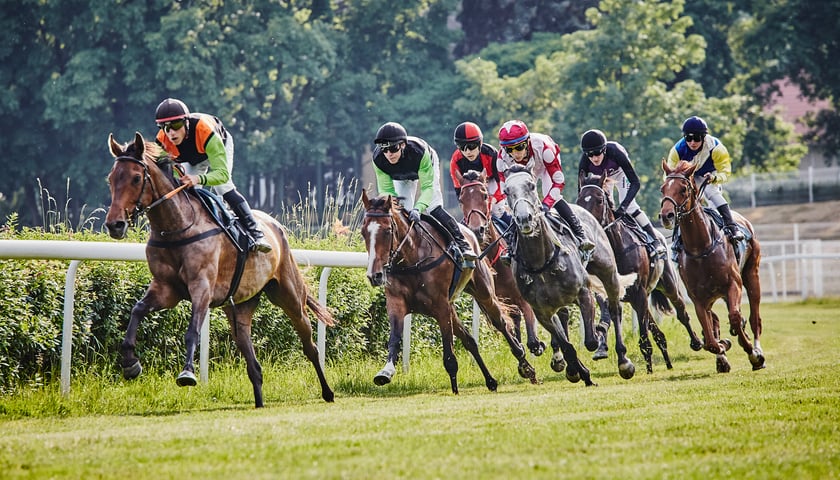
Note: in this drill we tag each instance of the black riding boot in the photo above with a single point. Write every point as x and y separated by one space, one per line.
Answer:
658 246
569 216
240 207
730 227
451 224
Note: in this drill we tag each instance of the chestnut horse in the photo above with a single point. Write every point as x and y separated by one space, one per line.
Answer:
551 276
656 276
413 264
190 259
710 268
475 206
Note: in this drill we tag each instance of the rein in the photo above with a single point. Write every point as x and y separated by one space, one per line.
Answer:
390 265
487 222
679 210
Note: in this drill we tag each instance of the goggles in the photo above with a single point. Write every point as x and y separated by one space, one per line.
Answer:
516 148
173 125
468 146
694 137
595 153
389 147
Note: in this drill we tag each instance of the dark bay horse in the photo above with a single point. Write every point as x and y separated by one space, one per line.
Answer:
413 264
475 206
656 279
191 259
710 268
552 277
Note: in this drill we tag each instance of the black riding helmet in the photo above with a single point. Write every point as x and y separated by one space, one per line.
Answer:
171 109
593 141
695 124
390 133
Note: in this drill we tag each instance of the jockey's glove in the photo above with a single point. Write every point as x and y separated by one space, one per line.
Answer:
545 208
414 216
620 211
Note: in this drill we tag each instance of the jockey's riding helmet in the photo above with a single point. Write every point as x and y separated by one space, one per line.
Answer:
467 132
695 124
513 132
593 141
390 133
171 109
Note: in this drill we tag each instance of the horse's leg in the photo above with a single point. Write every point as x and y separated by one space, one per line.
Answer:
157 297
722 363
481 289
737 324
558 363
602 328
239 318
471 346
289 292
397 310
661 341
536 346
749 275
200 297
671 289
638 300
625 367
575 370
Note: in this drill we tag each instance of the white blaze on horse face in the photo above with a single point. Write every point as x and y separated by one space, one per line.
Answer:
373 229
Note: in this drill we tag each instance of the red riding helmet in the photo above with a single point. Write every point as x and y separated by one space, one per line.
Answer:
513 132
467 132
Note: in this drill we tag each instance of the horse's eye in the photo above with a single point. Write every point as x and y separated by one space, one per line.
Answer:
137 179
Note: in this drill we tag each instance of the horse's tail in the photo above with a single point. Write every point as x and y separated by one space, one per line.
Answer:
625 281
660 303
321 312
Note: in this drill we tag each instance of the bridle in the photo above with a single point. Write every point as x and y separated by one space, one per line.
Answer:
391 265
484 217
139 209
680 208
604 219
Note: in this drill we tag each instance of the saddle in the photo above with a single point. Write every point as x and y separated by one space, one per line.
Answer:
740 246
459 280
560 227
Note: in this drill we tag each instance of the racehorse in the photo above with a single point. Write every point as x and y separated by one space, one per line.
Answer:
656 276
710 268
551 275
190 259
475 206
412 262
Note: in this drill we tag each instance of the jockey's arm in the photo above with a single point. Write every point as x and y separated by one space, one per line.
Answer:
723 164
384 182
426 175
218 172
553 179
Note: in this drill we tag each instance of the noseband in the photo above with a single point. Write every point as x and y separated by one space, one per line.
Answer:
484 217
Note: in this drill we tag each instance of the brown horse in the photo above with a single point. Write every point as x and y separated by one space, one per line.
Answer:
413 264
475 206
710 268
191 259
656 276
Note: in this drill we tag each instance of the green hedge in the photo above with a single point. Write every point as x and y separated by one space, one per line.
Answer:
32 303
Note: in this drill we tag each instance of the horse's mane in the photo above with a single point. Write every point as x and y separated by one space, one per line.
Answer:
684 168
154 154
517 168
472 175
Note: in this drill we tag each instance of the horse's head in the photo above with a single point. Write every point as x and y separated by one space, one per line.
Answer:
524 202
679 193
594 198
380 226
474 201
131 184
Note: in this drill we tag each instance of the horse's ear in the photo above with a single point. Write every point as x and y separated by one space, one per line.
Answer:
365 199
116 148
665 166
139 145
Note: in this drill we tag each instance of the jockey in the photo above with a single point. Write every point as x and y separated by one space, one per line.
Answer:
541 156
471 153
610 160
400 163
202 145
712 163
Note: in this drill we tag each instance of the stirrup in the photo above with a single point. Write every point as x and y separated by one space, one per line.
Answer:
734 233
258 243
585 245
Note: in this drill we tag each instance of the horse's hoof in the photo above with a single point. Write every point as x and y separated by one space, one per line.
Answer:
186 379
600 354
757 360
668 365
592 345
328 396
527 371
722 364
537 349
696 345
649 369
381 379
574 378
133 371
558 365
727 344
492 385
627 370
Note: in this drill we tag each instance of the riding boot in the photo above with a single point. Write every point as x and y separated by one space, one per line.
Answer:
584 244
240 207
730 227
658 246
451 224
